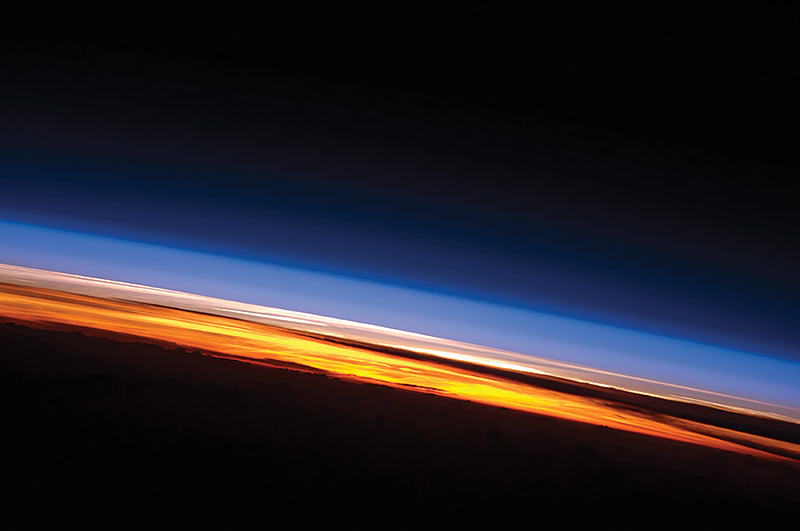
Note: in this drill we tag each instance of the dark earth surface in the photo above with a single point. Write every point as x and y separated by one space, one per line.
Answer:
110 432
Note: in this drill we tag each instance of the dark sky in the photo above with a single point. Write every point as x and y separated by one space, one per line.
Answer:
713 76
625 159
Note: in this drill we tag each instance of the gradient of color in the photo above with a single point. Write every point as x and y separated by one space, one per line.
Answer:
511 242
200 322
695 371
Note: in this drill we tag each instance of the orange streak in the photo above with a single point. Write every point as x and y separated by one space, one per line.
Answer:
259 342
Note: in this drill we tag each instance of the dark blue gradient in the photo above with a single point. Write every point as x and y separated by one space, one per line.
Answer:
407 195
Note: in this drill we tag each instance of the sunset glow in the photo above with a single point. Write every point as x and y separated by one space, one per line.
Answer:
300 341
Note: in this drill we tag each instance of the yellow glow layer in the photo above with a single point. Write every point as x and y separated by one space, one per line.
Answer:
259 342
